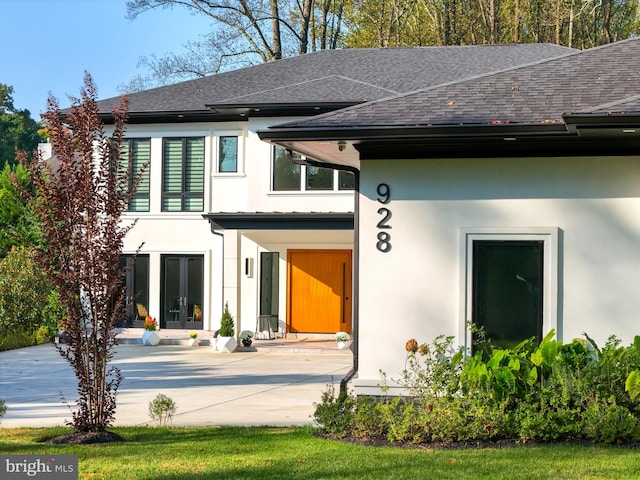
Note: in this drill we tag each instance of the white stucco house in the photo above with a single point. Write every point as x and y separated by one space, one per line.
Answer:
228 218
510 199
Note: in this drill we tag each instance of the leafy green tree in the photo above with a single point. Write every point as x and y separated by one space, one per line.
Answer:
18 131
573 23
26 299
18 222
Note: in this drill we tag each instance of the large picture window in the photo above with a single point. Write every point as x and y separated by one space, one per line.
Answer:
139 150
510 284
507 290
183 174
289 176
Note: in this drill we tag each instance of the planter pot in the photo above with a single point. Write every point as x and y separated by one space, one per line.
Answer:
150 338
213 341
227 344
193 342
341 345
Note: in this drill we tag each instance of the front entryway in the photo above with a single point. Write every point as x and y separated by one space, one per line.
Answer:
182 291
319 291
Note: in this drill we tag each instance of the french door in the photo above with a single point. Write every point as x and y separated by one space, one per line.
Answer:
182 291
136 290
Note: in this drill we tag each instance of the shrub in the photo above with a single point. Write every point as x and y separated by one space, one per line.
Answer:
226 322
546 392
606 421
162 408
3 408
334 413
27 298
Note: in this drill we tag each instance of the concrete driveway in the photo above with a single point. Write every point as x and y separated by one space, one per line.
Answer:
266 387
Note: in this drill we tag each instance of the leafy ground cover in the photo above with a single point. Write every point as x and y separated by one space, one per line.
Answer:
551 392
297 453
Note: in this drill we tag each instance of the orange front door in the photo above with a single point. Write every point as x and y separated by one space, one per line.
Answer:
319 291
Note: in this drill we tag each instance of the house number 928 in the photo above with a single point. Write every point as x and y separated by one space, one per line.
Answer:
384 238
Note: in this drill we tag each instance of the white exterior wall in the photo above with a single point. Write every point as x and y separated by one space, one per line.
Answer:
247 190
417 289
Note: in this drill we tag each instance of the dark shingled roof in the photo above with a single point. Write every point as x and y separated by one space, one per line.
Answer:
598 80
344 77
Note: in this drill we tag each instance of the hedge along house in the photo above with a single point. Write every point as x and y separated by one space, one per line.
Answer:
225 217
510 200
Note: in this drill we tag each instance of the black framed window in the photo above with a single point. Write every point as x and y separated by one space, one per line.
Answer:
183 174
139 150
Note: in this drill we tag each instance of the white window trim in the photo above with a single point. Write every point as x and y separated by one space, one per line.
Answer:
551 274
216 153
303 183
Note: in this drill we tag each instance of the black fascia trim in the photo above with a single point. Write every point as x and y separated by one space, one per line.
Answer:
278 109
602 119
169 117
543 146
473 141
404 132
280 221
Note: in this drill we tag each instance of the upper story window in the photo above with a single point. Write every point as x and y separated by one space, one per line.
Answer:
183 174
139 150
228 154
288 176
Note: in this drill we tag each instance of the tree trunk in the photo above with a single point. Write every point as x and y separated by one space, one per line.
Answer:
275 31
516 21
304 26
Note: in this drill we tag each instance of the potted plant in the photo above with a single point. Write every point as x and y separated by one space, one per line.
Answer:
246 337
226 341
193 339
150 337
342 338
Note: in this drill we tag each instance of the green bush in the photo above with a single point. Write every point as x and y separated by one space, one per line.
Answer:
29 308
606 421
226 322
544 392
3 408
162 408
335 413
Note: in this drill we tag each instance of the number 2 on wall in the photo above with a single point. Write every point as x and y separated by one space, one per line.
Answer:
384 238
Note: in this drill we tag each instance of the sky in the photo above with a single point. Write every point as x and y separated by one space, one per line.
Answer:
49 44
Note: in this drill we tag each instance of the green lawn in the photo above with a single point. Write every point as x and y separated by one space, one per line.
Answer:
294 453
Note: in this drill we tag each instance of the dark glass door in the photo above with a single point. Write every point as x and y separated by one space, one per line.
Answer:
507 290
137 291
269 291
182 291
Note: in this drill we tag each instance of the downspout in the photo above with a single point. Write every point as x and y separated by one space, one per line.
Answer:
221 235
356 287
356 261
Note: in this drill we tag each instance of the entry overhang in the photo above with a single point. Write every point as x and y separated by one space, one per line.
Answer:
281 221
574 136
